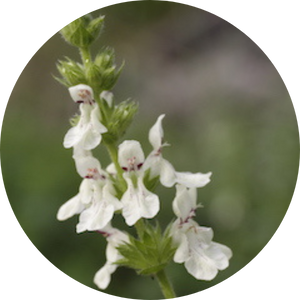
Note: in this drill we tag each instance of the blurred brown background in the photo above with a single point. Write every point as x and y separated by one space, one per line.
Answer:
227 111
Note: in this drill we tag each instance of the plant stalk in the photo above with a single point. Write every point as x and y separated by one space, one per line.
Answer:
165 285
113 153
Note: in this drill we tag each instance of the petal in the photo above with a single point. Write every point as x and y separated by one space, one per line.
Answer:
130 152
73 136
81 92
138 202
103 276
85 164
108 97
201 267
98 215
111 169
90 139
184 203
167 173
153 162
98 127
220 254
150 201
156 134
86 191
70 208
117 237
192 179
182 252
110 198
199 236
112 254
79 152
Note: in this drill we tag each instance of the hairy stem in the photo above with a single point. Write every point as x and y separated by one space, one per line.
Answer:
85 56
165 285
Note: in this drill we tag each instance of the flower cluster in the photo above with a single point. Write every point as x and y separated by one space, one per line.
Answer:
100 196
126 187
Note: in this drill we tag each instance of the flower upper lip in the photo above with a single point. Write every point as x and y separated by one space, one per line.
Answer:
82 93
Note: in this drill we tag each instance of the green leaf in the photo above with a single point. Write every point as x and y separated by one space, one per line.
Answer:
148 254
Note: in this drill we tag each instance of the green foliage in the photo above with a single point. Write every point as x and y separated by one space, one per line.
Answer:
118 119
72 73
148 254
101 73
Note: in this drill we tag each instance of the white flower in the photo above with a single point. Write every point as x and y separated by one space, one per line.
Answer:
115 238
202 257
161 167
137 201
88 131
82 93
101 210
95 201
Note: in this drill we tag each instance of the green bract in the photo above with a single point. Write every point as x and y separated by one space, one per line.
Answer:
100 74
72 73
148 254
119 120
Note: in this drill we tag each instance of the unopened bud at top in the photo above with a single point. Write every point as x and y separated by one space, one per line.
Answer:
83 31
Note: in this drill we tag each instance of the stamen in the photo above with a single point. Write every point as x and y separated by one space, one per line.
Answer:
93 173
86 97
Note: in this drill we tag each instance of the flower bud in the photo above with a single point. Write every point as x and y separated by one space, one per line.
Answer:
120 120
83 31
72 73
105 60
110 77
94 77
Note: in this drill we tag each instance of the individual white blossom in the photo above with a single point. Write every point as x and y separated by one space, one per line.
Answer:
137 201
202 257
114 238
164 169
101 210
95 201
88 131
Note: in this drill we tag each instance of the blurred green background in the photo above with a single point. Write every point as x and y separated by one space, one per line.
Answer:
227 111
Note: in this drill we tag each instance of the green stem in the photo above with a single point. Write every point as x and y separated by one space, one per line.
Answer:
85 56
140 228
165 285
113 153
